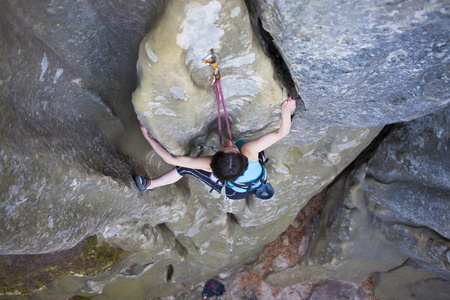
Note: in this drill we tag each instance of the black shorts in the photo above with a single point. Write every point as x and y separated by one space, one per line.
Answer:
211 181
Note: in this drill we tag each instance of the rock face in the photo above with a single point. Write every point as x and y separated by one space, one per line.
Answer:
175 91
384 217
71 141
66 80
362 63
408 187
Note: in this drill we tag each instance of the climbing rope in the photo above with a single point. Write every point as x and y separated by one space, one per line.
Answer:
230 243
211 59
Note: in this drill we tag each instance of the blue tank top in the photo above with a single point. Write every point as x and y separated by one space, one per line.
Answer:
252 172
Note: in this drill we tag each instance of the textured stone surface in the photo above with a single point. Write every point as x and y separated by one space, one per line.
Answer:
386 212
345 244
70 141
407 282
174 90
362 63
201 221
409 174
66 80
408 187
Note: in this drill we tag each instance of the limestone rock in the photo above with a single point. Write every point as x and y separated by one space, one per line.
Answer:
175 98
70 141
408 187
362 63
387 213
345 245
66 76
296 173
407 282
73 178
409 174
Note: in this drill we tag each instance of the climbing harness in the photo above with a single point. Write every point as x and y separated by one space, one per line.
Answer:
264 190
211 59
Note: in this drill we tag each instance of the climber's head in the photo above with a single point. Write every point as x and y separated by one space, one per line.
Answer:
228 163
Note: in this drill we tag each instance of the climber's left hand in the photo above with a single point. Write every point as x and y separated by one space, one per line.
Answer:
145 132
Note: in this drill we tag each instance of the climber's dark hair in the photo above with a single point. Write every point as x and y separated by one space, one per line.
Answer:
228 166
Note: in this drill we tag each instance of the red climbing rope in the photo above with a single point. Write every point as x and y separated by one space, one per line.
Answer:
219 94
230 242
211 60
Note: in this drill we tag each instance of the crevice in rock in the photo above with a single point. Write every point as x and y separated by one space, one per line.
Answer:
273 53
169 273
232 224
407 262
369 151
432 234
182 250
106 102
178 246
339 184
250 203
234 219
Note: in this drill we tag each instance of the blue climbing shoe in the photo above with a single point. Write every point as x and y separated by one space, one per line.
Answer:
142 183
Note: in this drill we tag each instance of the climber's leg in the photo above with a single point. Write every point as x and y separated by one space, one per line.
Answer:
145 184
168 178
205 176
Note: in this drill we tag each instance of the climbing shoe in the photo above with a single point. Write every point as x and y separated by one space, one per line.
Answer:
142 183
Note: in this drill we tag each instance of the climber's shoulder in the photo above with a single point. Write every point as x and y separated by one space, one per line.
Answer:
248 151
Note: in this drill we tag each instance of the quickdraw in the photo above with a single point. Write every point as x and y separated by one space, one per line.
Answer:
211 60
230 238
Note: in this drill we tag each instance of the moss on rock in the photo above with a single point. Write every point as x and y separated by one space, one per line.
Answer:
23 274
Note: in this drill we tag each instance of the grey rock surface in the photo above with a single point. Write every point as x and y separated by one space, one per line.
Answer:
67 73
407 282
70 140
408 187
359 234
345 245
362 63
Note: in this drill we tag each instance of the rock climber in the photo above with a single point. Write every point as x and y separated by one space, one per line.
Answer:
232 165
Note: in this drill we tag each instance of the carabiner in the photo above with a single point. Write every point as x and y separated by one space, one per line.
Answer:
210 58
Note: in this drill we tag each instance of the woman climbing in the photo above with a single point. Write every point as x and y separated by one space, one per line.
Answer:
232 165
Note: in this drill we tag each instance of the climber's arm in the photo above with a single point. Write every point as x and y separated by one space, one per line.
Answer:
252 148
201 163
